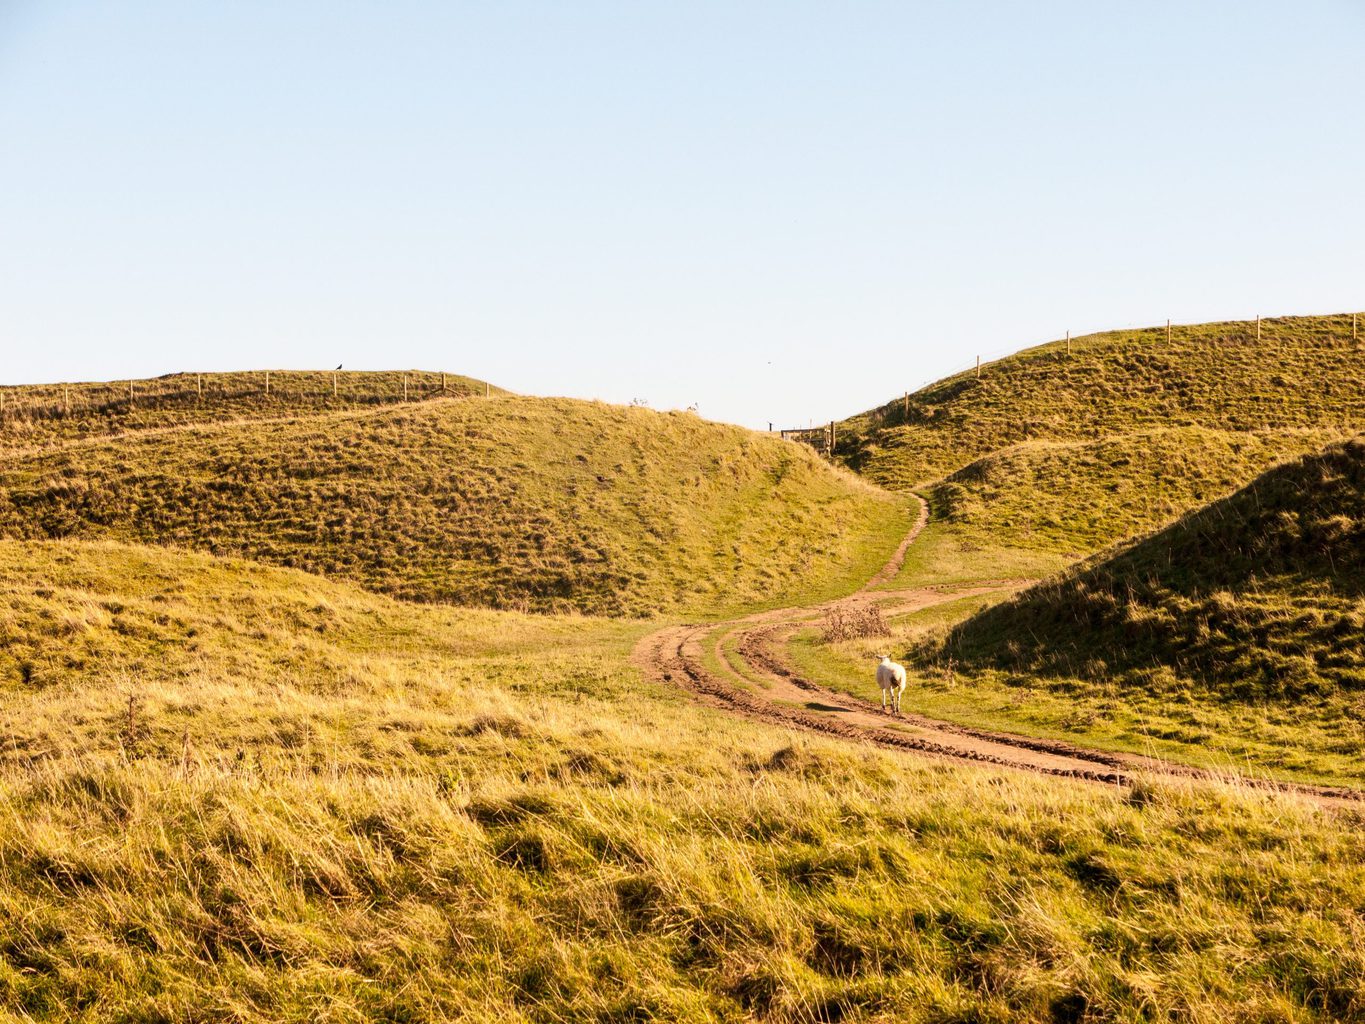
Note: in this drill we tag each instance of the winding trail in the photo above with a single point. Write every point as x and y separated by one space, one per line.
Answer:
738 665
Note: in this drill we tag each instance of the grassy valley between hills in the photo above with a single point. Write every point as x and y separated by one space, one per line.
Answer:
1233 639
335 708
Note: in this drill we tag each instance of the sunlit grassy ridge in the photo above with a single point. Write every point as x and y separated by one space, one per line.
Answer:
541 504
39 414
1304 372
1258 596
1068 453
330 805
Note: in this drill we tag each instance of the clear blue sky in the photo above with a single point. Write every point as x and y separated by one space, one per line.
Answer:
778 211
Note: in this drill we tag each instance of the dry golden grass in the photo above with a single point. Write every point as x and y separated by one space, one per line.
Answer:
42 415
389 812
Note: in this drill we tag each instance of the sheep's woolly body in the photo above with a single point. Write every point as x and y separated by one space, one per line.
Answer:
891 679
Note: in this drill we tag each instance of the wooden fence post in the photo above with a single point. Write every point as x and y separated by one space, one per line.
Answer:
443 383
831 438
978 367
405 387
905 407
1258 326
130 391
1068 343
487 390
1168 332
267 382
199 385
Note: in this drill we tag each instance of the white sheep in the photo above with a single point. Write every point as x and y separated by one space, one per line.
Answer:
891 679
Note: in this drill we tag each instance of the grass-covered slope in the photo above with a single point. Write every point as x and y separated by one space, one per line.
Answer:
1304 372
508 502
33 415
1074 497
1260 595
324 804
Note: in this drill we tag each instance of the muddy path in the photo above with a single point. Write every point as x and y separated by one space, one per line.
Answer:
740 666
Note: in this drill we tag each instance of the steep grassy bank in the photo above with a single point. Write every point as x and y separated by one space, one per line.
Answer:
1258 596
1075 497
540 504
336 806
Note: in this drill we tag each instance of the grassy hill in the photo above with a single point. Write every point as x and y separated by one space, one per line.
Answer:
1079 496
33 415
1304 372
325 804
1068 453
537 504
1260 595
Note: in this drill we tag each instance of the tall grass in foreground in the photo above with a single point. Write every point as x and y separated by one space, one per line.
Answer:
329 806
795 883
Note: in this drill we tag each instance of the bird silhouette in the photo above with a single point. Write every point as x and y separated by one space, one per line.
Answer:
338 366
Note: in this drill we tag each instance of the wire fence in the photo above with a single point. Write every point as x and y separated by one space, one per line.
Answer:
285 388
1344 329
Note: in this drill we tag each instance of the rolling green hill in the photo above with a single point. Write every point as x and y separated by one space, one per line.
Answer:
538 504
1257 596
233 792
1304 372
1079 496
34 415
1068 453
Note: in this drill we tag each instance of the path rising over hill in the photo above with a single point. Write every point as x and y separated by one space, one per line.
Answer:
738 665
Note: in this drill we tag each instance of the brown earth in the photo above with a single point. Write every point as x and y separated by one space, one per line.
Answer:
764 687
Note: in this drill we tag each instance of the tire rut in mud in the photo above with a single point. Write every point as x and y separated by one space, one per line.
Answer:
673 655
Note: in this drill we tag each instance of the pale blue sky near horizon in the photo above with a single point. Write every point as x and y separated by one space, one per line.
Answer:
779 212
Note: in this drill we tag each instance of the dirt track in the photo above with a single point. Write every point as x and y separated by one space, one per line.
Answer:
756 681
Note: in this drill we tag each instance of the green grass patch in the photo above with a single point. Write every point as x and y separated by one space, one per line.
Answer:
945 555
1078 497
1313 740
